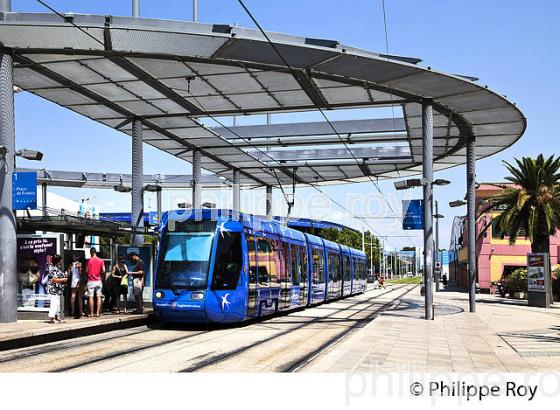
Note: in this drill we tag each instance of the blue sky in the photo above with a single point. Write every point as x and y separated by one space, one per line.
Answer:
511 45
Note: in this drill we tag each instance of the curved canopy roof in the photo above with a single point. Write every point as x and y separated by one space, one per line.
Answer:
173 75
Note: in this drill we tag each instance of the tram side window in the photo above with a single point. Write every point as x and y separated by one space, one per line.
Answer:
264 260
287 262
362 269
282 262
346 268
334 266
303 261
318 265
228 261
252 258
296 267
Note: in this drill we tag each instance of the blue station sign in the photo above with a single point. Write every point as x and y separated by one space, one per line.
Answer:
24 190
413 214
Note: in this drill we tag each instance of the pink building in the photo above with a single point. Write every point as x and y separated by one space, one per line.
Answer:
494 255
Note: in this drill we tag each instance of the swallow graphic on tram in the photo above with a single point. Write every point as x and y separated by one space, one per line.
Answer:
217 266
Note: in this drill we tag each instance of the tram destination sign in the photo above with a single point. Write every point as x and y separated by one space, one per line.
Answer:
413 214
24 190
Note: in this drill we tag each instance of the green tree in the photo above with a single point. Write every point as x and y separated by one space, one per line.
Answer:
353 239
532 205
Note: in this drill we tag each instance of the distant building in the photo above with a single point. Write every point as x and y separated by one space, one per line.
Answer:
494 255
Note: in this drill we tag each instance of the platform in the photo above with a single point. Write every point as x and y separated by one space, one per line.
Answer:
28 332
502 336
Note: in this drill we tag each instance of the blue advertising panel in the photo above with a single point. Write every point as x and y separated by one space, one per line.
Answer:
413 214
24 190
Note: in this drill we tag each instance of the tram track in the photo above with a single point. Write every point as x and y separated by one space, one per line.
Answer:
170 350
243 349
64 345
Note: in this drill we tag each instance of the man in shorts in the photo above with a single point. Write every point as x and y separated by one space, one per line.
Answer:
95 271
137 281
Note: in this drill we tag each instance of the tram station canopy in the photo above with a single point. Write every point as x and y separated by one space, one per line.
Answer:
172 75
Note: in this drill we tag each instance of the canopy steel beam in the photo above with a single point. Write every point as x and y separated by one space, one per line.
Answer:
370 153
307 129
96 180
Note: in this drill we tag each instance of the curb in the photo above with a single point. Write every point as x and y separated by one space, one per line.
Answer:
32 340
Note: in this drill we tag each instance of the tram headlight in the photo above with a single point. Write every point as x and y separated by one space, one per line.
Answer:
197 295
158 294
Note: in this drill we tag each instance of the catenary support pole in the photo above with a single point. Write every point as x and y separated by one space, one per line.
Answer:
135 8
137 176
158 205
427 171
269 201
236 193
195 11
8 248
44 198
471 221
372 273
196 187
437 255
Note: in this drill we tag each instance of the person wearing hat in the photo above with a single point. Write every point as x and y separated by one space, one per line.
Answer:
137 275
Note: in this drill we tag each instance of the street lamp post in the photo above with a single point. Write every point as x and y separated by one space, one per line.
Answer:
437 274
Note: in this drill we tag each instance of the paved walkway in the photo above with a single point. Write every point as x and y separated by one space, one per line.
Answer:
502 336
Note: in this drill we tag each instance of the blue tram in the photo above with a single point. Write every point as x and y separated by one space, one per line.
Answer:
214 267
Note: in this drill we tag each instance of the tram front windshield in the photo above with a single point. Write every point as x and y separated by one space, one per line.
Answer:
184 255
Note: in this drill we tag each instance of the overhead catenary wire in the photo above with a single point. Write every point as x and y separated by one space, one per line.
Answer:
321 111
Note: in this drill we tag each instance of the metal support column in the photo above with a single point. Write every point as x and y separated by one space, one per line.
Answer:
269 201
44 198
236 193
8 248
427 171
135 8
471 221
437 255
158 205
196 187
372 273
137 183
195 11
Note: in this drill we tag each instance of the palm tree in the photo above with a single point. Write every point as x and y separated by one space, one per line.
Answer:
532 205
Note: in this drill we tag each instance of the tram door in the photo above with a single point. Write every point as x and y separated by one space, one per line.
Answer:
252 283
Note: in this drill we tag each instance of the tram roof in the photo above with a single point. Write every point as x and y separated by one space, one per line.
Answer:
173 76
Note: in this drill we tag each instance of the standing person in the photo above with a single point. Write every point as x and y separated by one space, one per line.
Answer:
55 288
109 285
120 277
95 271
137 281
76 286
382 282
